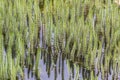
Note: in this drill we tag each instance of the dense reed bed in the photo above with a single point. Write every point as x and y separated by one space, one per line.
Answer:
82 30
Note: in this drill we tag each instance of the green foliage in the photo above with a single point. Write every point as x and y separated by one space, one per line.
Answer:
87 28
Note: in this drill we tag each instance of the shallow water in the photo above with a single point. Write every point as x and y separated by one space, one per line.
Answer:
62 68
58 66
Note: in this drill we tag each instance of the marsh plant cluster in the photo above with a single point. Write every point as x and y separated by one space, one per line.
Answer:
86 32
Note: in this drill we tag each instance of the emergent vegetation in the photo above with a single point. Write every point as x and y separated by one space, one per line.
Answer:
82 30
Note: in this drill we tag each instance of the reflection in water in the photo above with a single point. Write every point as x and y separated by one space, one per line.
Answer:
55 68
56 65
28 75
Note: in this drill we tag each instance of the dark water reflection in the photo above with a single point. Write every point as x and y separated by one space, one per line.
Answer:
28 75
56 71
53 67
56 65
60 68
